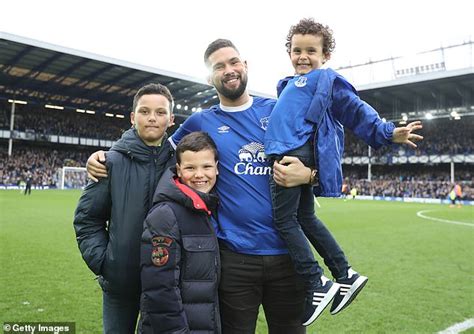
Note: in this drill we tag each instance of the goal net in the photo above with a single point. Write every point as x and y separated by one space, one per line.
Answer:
73 178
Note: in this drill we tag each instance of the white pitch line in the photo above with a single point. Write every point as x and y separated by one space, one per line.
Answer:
459 327
421 215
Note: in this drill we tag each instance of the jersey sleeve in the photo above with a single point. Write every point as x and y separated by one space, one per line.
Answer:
191 124
358 116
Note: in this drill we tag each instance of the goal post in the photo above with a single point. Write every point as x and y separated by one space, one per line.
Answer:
73 178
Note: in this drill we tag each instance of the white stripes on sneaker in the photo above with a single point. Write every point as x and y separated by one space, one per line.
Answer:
344 289
318 297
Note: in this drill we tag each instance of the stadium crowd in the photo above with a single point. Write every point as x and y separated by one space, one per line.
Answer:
66 123
442 136
43 163
410 180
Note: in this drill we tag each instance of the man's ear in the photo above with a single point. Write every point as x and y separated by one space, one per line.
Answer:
217 169
132 115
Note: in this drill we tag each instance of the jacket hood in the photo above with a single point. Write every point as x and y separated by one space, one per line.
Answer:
130 144
167 190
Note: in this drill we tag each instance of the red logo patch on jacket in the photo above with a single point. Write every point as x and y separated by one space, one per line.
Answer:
160 252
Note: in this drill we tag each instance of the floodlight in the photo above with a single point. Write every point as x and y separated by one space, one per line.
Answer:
428 115
18 101
52 106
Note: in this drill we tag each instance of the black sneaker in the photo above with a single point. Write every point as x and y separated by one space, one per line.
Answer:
317 299
350 287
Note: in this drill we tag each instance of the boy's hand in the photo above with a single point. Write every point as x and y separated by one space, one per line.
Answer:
290 172
96 166
405 135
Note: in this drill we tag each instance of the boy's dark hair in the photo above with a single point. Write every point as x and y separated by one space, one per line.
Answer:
309 26
216 45
195 142
152 89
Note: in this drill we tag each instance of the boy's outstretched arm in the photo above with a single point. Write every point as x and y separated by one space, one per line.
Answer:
405 135
96 166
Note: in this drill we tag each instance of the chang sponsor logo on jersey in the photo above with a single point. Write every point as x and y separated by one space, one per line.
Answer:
253 160
223 129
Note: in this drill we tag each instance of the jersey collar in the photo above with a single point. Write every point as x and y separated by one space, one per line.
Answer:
242 107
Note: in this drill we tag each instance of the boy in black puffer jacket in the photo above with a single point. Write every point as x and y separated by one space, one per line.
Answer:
179 250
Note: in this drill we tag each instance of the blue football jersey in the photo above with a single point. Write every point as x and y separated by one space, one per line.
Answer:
245 219
288 129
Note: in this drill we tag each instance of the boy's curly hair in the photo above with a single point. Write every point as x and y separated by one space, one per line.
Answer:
309 26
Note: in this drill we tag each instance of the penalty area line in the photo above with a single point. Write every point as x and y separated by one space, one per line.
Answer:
459 327
421 214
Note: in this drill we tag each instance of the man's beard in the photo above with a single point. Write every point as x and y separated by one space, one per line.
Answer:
233 94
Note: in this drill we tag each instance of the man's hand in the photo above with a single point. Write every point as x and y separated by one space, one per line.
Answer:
404 135
290 172
96 166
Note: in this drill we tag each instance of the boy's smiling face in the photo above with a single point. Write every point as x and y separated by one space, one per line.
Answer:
307 53
198 170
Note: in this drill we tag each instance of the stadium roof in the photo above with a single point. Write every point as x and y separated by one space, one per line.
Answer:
43 73
443 95
439 82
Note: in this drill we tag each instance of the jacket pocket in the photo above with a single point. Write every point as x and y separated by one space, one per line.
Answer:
200 256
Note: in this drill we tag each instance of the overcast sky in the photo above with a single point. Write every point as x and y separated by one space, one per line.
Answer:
172 35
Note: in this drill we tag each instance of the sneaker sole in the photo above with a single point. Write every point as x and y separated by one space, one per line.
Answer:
351 294
324 303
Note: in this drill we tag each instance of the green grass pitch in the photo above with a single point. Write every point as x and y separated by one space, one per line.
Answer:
421 271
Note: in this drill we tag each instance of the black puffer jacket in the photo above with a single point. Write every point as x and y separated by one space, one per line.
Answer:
179 262
109 217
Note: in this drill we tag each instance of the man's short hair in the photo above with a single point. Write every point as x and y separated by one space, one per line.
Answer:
217 45
153 89
195 142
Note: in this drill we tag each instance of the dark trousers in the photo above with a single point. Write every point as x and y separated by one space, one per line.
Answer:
248 281
295 220
120 313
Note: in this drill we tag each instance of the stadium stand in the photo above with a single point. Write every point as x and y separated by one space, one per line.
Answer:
91 94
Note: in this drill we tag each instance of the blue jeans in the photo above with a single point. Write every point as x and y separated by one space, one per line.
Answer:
119 313
295 220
